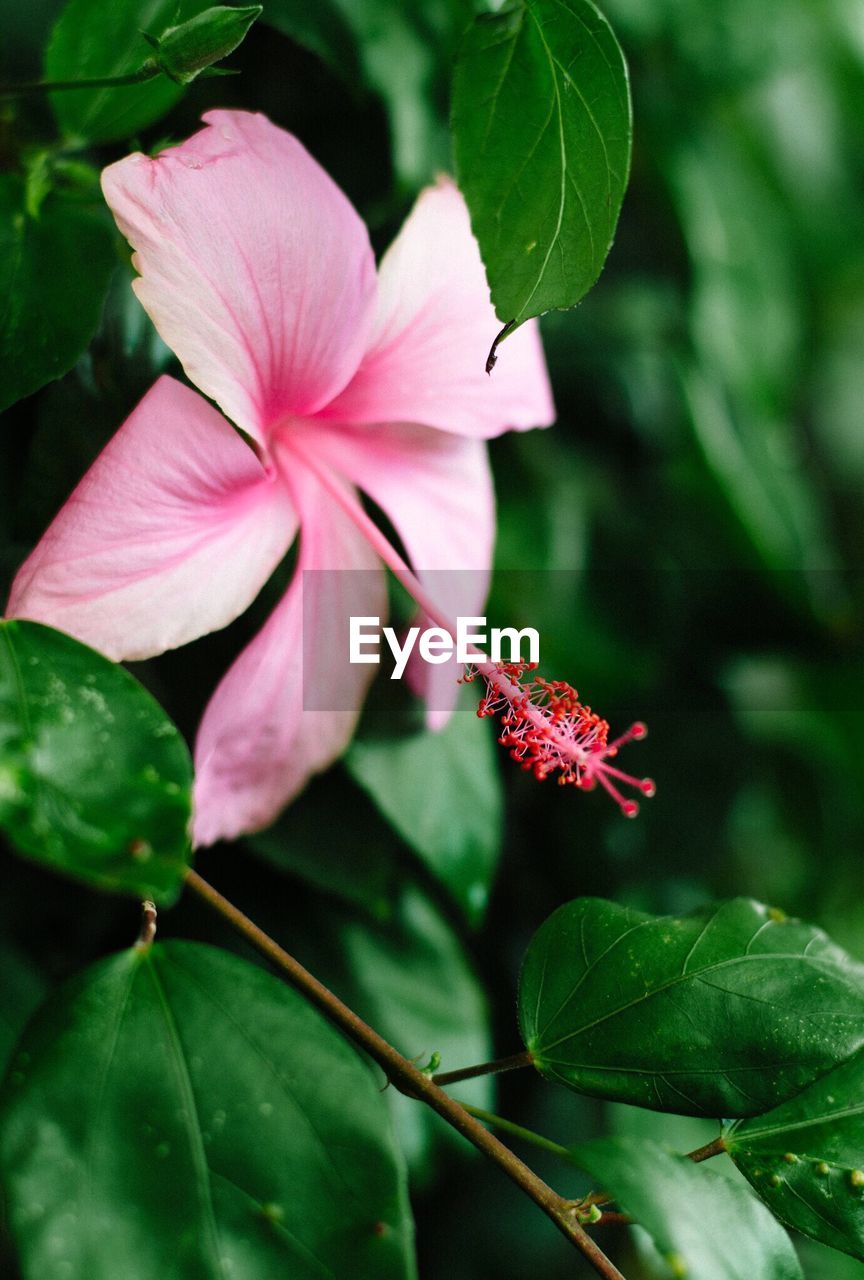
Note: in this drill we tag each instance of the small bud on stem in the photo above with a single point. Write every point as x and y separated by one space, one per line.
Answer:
147 931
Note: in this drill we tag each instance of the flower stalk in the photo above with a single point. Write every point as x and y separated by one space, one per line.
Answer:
147 71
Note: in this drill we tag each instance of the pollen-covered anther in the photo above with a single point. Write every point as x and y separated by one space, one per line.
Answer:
547 730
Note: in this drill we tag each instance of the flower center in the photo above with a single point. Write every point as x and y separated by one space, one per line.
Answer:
546 729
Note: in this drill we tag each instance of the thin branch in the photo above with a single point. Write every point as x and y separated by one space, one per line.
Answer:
715 1148
516 1060
406 1077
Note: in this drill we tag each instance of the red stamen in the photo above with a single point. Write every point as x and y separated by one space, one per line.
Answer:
546 729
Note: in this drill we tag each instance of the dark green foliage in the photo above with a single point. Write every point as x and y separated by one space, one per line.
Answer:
687 539
203 1117
55 263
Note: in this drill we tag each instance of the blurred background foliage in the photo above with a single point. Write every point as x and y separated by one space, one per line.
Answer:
686 538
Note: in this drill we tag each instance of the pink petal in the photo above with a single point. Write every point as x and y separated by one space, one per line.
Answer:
437 490
262 737
434 327
254 267
171 534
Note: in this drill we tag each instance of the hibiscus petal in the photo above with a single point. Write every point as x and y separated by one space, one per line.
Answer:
171 534
437 490
434 327
254 266
263 734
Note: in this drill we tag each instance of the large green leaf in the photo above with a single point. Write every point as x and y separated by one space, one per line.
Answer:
54 272
95 780
703 1224
806 1157
723 1012
94 40
542 134
179 1112
442 793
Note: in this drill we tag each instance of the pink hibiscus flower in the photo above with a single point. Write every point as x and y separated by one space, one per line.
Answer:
258 273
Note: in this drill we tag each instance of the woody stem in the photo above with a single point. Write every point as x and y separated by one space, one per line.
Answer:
407 1078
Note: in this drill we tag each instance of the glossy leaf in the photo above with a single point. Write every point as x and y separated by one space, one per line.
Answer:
54 273
806 1158
703 1224
181 1112
721 1013
542 135
95 780
442 793
94 40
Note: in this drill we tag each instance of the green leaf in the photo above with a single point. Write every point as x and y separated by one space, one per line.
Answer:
185 51
722 1012
704 1225
542 134
321 27
180 1112
54 273
94 40
442 793
95 780
806 1158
